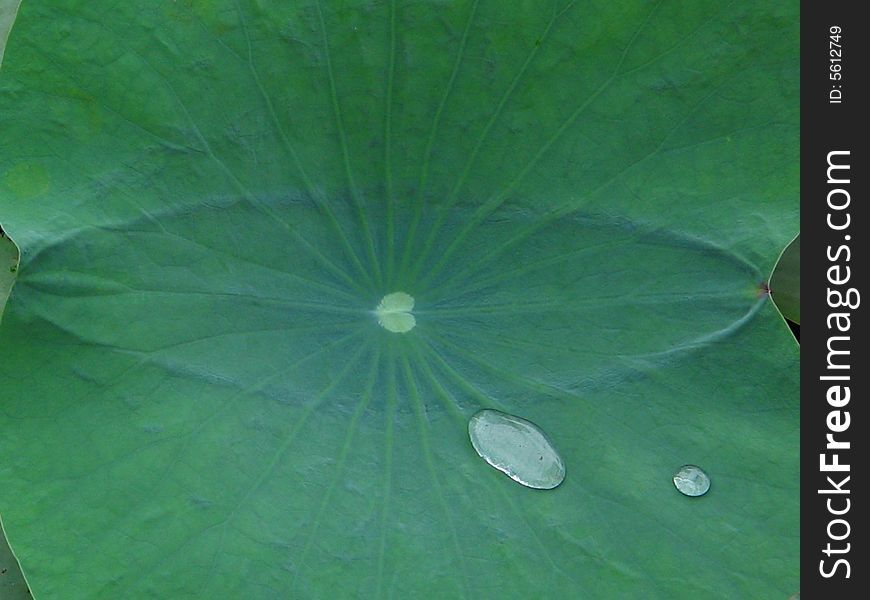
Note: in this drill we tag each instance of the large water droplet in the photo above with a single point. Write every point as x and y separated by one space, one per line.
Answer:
517 448
394 312
692 480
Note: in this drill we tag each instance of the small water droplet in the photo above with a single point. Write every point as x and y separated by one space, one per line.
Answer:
516 447
692 480
394 312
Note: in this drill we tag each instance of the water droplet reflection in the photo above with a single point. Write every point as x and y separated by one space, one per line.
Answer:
517 448
692 481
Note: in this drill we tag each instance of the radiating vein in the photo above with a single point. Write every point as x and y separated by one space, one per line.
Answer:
177 456
320 328
521 515
342 135
125 289
255 387
576 304
723 8
312 190
163 141
422 425
504 374
388 156
317 285
290 438
513 343
363 403
571 207
237 183
454 193
470 267
591 409
389 415
450 401
491 205
430 141
484 400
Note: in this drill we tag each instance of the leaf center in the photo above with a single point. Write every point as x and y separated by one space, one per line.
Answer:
394 312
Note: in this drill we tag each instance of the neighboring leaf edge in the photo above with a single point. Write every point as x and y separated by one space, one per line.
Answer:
10 257
8 12
785 281
13 585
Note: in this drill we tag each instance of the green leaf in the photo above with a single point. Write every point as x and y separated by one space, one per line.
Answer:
213 200
785 283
